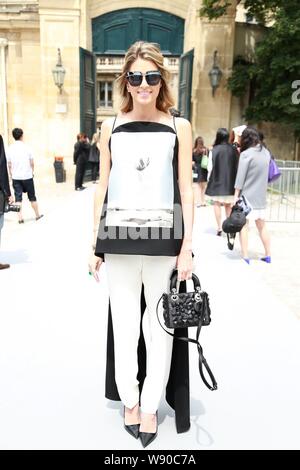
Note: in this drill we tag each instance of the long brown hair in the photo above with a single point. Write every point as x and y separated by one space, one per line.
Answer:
199 142
147 51
250 138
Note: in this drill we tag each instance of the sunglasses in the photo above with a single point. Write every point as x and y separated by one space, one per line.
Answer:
136 78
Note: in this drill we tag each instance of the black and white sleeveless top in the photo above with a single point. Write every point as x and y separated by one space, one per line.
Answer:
142 213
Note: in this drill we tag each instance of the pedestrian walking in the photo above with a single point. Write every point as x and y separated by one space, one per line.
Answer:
252 182
21 167
94 156
222 168
4 189
145 198
80 158
200 180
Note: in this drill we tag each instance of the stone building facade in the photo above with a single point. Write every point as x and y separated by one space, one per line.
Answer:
32 31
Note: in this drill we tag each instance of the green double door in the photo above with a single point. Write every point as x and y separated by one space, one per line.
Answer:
87 92
113 33
185 84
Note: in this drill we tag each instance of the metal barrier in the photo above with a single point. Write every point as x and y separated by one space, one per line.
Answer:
284 194
287 163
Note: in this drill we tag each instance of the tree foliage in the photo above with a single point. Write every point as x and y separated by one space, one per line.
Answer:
262 10
276 63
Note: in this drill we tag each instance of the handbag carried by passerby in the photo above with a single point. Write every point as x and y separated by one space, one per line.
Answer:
184 310
204 161
274 172
236 221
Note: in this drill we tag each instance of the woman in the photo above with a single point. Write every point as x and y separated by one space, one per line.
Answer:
201 180
252 182
145 199
94 155
222 172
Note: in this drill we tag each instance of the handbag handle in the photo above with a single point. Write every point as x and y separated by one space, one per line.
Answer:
174 280
202 360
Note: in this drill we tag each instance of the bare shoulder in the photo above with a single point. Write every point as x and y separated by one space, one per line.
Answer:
106 128
107 124
182 124
184 129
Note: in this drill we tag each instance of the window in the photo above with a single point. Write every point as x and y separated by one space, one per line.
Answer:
105 94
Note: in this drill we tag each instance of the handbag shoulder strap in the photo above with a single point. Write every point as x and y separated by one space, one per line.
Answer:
202 360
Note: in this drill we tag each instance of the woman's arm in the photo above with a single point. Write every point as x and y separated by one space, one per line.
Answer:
105 164
243 165
184 133
95 261
236 195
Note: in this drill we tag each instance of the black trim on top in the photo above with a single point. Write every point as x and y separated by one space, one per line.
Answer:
114 124
139 126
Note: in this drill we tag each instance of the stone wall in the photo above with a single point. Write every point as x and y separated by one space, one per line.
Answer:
32 31
208 112
60 28
50 120
24 90
176 7
20 73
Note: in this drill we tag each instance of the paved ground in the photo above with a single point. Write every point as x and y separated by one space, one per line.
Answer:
53 338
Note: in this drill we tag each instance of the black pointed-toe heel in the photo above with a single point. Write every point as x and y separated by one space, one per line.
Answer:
148 437
132 429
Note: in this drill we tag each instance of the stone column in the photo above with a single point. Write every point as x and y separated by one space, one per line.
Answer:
3 90
208 112
60 27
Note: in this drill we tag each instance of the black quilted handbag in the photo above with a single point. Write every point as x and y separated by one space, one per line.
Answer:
184 310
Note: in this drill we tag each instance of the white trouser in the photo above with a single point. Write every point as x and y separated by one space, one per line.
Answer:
125 274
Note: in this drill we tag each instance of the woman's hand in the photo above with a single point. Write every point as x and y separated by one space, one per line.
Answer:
94 265
184 264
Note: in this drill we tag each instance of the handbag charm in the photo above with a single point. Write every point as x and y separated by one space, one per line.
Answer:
184 310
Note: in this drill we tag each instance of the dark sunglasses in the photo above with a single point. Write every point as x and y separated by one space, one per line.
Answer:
136 78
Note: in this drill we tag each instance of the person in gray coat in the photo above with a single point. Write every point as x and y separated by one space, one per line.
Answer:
252 182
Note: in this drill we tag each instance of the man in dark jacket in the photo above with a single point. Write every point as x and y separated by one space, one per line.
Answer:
80 158
4 188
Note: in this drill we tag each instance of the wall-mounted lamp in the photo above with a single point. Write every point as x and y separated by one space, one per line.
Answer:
215 74
59 73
